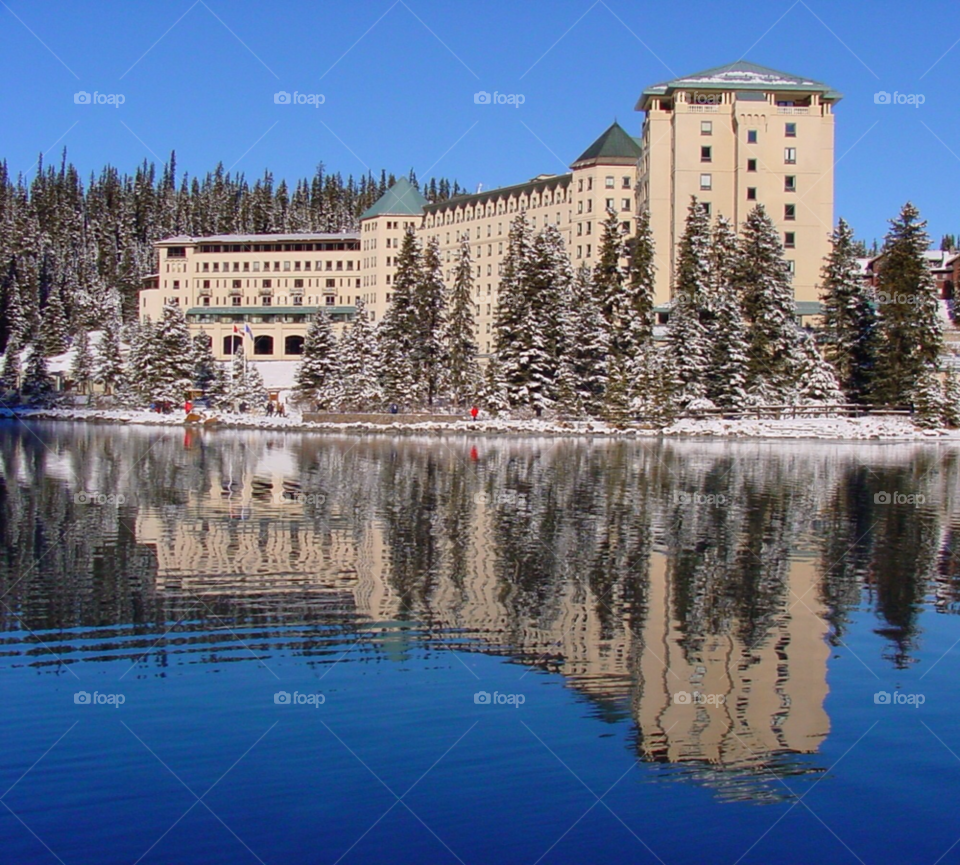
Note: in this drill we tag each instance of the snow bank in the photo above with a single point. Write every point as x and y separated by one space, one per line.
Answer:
863 428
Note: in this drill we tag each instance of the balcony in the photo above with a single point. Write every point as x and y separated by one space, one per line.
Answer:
793 109
265 292
205 292
703 109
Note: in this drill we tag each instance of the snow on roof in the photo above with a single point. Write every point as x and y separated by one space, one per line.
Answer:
185 240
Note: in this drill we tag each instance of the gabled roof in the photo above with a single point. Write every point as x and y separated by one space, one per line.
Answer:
614 143
401 199
740 76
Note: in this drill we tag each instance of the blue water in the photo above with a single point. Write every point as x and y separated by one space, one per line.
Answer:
400 763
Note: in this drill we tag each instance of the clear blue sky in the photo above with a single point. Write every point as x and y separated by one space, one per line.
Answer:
200 78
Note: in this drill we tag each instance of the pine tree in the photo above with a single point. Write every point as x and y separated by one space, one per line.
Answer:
37 385
357 351
927 399
12 372
547 291
82 368
245 384
463 378
849 330
951 399
688 337
816 379
587 344
911 333
608 282
429 314
166 359
398 328
109 361
206 372
640 290
317 374
53 325
727 369
763 278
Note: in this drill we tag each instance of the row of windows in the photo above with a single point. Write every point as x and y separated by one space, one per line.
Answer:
254 266
789 185
237 284
513 204
706 155
391 225
329 246
789 215
789 131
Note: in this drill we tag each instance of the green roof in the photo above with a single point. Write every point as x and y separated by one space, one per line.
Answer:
401 199
614 143
740 76
498 192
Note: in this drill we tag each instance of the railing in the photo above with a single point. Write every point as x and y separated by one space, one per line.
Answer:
796 411
703 109
792 109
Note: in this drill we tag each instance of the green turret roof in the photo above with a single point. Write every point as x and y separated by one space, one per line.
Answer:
401 199
740 76
614 143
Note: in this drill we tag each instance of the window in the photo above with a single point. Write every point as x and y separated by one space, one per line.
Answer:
267 283
579 189
706 127
331 283
790 183
790 130
751 193
293 345
298 300
298 283
263 345
706 207
706 181
790 239
751 136
789 212
231 344
589 228
176 284
266 300
626 185
625 204
791 266
751 165
609 204
237 283
706 154
206 283
790 155
579 228
286 266
236 300
608 182
206 301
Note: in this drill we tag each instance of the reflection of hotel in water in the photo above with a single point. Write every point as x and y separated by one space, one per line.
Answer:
253 543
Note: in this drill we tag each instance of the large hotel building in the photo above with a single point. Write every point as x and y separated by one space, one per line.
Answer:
734 137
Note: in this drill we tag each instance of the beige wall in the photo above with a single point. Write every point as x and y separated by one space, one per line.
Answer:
671 169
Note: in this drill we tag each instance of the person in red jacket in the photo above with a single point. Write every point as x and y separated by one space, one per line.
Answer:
474 412
188 407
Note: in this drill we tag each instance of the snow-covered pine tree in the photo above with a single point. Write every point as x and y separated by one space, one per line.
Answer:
167 365
357 350
37 386
109 360
398 328
927 398
494 390
82 369
514 344
951 399
207 374
849 330
652 398
727 370
429 314
764 281
816 379
14 321
588 342
640 290
53 325
245 384
688 337
608 285
317 376
463 374
12 372
911 333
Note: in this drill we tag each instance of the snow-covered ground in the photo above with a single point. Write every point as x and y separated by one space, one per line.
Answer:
866 428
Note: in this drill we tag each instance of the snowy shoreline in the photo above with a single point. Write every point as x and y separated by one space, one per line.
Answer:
831 428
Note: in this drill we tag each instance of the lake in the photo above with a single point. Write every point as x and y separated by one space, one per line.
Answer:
299 648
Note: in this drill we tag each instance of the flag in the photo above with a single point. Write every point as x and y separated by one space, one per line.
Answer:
247 330
236 329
